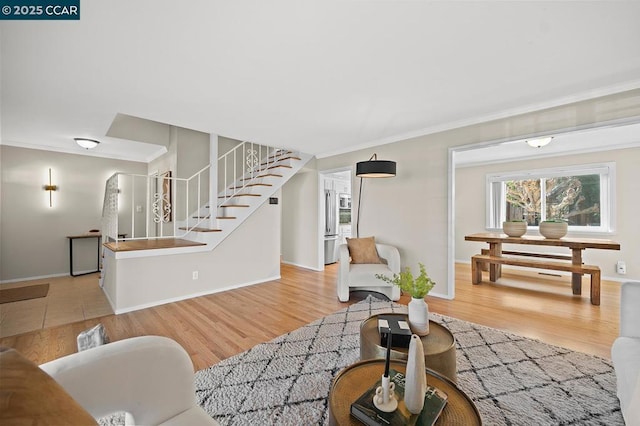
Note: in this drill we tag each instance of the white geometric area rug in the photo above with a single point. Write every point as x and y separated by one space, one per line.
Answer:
513 380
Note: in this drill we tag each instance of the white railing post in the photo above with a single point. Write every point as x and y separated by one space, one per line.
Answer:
186 205
133 206
148 203
173 214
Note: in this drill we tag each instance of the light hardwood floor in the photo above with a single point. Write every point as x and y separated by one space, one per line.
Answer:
214 327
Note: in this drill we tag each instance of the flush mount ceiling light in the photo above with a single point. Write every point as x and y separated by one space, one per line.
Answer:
540 142
86 143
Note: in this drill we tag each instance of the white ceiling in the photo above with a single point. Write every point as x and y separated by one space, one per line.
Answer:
317 76
619 136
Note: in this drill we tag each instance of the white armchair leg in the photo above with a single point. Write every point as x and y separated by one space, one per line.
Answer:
343 294
343 273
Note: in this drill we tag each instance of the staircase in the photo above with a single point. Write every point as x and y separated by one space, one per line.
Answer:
177 247
242 197
239 198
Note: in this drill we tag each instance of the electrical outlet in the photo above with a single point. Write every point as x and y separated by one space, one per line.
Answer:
621 267
194 275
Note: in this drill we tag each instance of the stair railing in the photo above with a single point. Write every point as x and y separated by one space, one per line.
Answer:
110 210
153 206
239 166
161 206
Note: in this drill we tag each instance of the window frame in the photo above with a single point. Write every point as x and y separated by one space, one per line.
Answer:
606 171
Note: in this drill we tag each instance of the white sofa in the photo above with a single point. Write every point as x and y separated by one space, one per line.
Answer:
150 378
625 353
362 276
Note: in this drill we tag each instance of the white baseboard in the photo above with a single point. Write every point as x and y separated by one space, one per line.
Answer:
41 277
440 295
302 266
190 296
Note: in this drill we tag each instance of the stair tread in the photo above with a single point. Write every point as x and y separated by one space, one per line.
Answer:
250 185
281 159
282 153
226 217
235 205
240 195
280 165
152 244
202 229
265 175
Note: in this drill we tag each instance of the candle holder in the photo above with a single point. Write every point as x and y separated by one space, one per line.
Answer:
385 397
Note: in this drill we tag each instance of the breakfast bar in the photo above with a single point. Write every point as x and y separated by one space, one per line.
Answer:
495 258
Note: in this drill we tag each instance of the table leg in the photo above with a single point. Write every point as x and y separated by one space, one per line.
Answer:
99 246
71 257
576 278
495 270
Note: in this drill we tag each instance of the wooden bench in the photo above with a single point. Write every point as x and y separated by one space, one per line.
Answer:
479 259
485 266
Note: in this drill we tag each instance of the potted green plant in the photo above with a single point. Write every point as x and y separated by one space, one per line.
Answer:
514 227
553 228
418 288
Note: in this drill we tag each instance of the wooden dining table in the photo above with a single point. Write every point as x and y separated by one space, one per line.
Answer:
576 245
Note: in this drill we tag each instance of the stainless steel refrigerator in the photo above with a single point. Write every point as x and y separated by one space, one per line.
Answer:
330 226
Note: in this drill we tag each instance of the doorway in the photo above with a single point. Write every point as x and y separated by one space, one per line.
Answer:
472 163
336 207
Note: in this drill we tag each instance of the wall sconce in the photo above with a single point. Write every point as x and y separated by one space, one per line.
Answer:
50 188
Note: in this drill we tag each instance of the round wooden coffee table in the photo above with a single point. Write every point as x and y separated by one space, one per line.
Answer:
439 346
354 380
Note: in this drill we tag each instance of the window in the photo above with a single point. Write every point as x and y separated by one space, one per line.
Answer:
581 195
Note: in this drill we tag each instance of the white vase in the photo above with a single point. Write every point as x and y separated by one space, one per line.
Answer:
419 316
415 378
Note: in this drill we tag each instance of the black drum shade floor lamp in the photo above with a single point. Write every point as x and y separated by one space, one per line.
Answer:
372 168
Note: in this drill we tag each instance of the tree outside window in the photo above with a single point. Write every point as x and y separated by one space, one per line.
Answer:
581 195
524 201
575 199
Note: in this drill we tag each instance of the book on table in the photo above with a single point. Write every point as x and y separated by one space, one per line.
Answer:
364 410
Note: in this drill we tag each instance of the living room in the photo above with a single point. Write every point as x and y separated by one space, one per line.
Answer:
412 211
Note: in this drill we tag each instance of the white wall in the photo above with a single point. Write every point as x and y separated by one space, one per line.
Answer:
33 236
249 255
411 210
187 153
193 152
300 207
408 211
471 201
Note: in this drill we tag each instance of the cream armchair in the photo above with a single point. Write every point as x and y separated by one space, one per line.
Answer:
150 378
362 276
625 353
